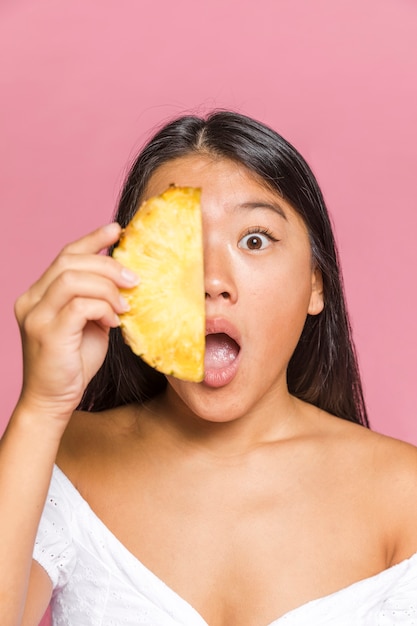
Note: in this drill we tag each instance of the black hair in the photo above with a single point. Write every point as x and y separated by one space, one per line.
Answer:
323 369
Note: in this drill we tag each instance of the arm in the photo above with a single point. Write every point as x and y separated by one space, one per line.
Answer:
39 594
64 321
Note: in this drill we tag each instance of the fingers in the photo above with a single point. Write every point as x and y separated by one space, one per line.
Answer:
79 257
77 314
95 241
71 289
69 269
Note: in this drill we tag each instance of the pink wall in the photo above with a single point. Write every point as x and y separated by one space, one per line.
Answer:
81 84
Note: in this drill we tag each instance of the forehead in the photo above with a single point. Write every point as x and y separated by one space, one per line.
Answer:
225 184
215 175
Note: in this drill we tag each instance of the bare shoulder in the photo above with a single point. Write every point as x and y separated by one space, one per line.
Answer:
395 462
390 458
392 461
386 470
395 465
380 449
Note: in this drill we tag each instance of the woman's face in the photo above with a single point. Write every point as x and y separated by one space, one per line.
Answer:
260 285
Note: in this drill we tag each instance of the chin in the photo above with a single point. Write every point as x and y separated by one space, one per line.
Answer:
208 402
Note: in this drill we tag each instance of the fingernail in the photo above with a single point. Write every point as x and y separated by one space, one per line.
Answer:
124 305
130 278
112 229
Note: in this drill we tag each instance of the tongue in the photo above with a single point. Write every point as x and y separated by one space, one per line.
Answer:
221 350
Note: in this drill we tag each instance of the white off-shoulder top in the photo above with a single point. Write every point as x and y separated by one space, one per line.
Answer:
98 582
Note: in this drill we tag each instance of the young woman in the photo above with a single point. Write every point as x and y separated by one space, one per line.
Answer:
257 497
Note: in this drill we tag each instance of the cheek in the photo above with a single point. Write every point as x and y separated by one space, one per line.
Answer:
278 304
285 287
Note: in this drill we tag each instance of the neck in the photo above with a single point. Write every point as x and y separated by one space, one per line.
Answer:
223 437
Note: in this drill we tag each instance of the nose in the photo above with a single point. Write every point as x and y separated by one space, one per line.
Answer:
219 280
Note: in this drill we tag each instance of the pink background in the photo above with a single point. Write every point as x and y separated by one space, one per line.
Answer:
82 82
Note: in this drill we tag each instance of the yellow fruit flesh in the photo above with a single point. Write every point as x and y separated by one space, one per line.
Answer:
162 244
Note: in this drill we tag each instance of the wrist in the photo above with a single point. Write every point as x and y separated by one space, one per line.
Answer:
42 424
33 407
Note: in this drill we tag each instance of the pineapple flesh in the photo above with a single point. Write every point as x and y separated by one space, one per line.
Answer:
163 245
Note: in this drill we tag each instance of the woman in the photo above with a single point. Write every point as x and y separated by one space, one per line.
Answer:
242 500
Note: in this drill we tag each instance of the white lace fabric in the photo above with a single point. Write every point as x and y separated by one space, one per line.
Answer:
98 582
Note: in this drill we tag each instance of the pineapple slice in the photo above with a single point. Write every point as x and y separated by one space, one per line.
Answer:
163 244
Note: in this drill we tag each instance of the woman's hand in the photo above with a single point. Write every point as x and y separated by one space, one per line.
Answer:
65 318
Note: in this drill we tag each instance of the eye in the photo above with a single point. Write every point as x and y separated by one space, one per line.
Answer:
258 239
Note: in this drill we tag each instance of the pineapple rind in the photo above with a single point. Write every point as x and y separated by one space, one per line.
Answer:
165 325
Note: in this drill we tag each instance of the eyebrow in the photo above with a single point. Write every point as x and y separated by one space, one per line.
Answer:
273 206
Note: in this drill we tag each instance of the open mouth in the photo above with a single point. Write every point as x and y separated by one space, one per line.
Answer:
220 361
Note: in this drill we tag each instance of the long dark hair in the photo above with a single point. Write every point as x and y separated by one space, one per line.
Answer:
323 369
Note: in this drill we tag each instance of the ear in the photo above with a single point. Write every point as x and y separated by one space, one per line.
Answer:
316 304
